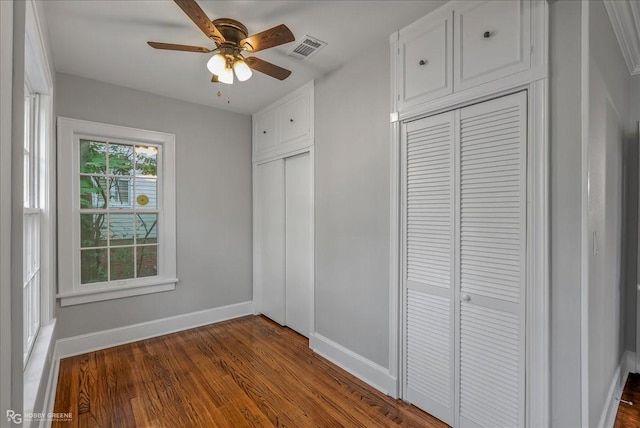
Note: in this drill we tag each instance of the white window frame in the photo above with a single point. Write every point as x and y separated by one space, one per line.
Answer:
33 239
70 291
39 87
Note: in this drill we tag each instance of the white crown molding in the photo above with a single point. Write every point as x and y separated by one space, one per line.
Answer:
625 19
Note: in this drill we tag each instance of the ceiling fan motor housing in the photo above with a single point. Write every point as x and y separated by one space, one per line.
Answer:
232 30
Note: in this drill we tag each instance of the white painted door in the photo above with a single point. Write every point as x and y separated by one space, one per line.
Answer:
491 259
271 230
464 263
298 242
429 264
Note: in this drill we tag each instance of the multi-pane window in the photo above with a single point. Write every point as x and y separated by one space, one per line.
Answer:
32 215
117 211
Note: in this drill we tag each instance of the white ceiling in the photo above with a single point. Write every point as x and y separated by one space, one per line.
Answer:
106 40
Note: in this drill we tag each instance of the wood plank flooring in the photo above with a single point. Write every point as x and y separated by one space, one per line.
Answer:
629 414
247 372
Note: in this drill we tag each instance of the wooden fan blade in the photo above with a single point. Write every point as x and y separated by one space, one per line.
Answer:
275 36
197 15
267 68
214 78
174 47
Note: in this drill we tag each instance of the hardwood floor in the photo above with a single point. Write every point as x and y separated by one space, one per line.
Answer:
629 414
247 372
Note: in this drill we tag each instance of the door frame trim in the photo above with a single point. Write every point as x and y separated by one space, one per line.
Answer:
537 367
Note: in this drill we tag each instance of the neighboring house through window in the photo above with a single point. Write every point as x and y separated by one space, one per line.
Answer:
117 200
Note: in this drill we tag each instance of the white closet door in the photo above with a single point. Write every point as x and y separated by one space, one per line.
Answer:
298 242
492 243
429 264
271 228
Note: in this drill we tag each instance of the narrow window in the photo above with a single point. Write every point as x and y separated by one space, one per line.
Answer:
32 215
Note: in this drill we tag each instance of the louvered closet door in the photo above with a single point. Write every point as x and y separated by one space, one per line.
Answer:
492 242
429 262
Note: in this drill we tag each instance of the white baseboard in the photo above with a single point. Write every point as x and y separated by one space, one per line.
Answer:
620 376
364 369
82 344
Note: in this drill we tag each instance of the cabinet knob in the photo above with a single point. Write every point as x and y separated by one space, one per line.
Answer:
465 298
290 120
487 34
423 62
264 132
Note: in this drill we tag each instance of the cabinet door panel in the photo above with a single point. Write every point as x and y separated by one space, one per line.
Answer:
492 41
294 119
425 59
265 132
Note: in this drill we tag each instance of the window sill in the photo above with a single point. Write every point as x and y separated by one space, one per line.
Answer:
36 370
116 292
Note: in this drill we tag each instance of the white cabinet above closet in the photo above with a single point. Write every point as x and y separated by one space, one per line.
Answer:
492 41
425 58
465 49
285 126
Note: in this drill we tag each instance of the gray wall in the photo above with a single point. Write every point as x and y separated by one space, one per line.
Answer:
213 151
611 94
565 159
612 209
630 233
352 204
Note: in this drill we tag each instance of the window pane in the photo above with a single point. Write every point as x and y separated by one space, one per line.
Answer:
92 191
147 260
93 266
27 180
93 230
146 193
120 190
121 229
120 159
146 161
93 159
121 263
146 228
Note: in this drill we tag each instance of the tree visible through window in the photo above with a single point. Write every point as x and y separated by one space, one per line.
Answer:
118 211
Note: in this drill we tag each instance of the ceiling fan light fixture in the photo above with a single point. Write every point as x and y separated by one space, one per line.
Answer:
226 76
243 72
217 64
230 38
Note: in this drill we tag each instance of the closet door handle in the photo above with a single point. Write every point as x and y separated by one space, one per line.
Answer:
465 298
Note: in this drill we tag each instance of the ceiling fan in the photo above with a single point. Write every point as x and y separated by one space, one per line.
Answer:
231 40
